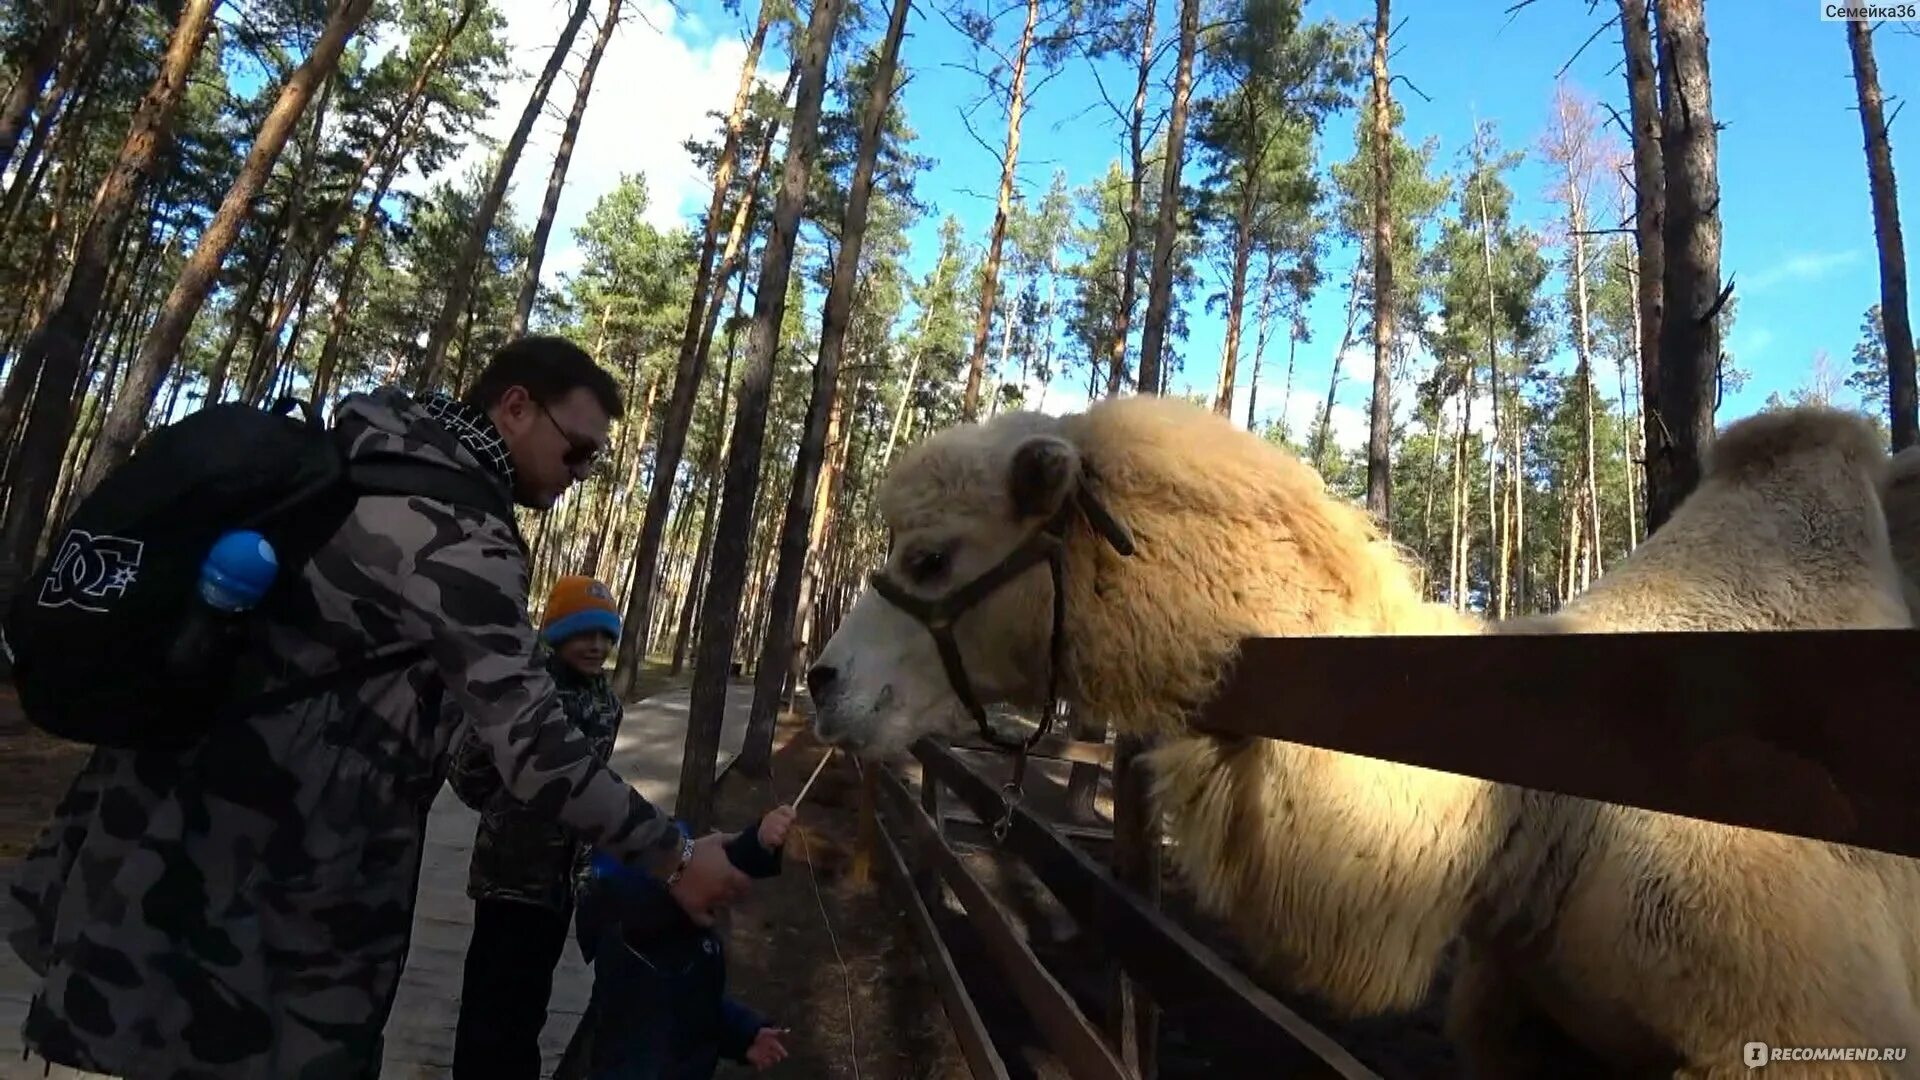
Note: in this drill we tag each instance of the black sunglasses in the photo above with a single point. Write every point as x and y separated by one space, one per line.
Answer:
579 451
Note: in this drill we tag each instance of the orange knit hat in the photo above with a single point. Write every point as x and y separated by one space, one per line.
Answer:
576 605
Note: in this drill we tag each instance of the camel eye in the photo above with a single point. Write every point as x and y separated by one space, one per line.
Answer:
926 564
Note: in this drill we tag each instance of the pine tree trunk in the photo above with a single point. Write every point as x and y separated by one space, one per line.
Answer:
481 225
1153 331
20 375
1517 513
1583 373
1457 584
1494 534
990 272
710 472
691 367
1649 238
56 344
1690 331
1236 298
1262 334
1897 330
1380 425
1635 450
391 146
326 371
261 366
30 77
530 288
720 612
77 75
125 419
800 529
1323 434
1136 209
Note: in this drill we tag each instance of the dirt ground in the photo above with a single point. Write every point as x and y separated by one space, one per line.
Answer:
35 769
826 954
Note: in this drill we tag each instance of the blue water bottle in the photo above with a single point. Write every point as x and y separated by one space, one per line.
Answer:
237 572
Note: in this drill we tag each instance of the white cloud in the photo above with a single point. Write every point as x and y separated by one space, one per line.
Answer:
1805 266
651 93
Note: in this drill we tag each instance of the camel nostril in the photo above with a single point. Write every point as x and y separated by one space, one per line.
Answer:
820 680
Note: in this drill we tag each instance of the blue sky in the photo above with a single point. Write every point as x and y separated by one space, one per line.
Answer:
1797 225
1798 231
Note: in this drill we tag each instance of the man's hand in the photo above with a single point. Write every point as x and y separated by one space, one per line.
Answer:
774 826
708 881
767 1049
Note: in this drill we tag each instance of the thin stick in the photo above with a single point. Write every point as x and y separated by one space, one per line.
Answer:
824 758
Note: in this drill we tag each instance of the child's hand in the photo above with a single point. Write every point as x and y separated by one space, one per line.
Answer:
767 1050
774 826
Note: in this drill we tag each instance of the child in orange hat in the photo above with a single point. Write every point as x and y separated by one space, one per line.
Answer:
525 864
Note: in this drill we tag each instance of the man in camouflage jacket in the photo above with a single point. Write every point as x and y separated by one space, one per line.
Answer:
241 909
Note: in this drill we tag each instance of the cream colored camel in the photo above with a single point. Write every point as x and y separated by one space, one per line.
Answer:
1650 944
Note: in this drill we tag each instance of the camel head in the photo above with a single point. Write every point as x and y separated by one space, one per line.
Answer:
1236 537
972 514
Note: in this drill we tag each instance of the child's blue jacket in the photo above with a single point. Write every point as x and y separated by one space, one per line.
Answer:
660 1009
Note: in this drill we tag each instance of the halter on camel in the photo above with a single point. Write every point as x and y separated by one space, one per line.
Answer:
939 614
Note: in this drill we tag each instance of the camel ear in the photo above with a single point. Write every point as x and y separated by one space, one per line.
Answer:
1045 468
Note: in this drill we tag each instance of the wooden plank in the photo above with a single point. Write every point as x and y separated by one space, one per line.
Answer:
1136 861
1067 1030
968 1028
1176 965
1807 733
1055 747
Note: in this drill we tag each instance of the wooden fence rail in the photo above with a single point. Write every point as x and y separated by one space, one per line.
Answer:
1065 1028
1805 732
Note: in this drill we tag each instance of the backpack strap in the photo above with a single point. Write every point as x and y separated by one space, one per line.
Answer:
390 475
397 475
377 663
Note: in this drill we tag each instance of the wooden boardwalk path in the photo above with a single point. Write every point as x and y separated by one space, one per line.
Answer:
420 1031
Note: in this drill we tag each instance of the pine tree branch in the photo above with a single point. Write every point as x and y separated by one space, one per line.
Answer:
1591 38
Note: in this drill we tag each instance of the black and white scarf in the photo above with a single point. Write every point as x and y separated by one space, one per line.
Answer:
475 431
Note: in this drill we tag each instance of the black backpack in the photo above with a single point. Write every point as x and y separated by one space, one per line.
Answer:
91 630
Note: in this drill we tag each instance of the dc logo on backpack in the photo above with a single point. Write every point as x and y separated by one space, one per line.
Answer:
89 570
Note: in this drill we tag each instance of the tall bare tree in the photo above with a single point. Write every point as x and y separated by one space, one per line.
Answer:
1153 330
1009 163
1649 223
1380 426
1136 206
690 366
732 538
129 413
57 345
1690 328
1886 231
32 67
769 674
478 229
556 180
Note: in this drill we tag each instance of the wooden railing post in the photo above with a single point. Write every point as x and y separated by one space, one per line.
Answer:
926 875
1134 1020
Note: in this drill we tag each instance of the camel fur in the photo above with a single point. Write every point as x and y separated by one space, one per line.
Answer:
1652 944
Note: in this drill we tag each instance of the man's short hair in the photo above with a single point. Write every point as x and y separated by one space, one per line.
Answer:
549 368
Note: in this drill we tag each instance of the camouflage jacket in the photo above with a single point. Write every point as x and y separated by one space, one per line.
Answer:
242 908
519 853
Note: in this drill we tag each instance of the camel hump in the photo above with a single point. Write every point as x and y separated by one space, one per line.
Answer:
1767 440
